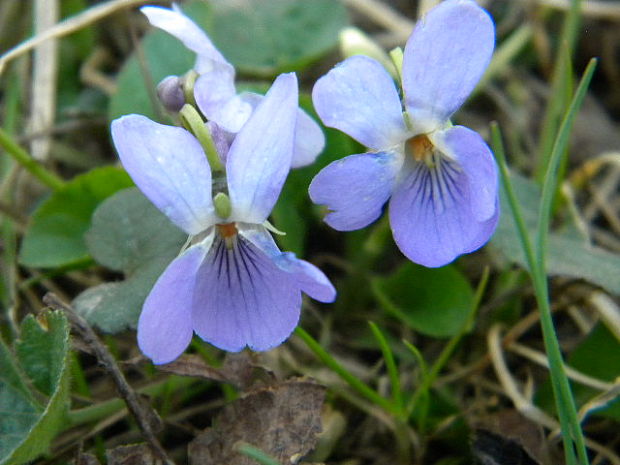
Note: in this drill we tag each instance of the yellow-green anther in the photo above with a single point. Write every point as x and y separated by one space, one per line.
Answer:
222 205
188 86
193 122
397 58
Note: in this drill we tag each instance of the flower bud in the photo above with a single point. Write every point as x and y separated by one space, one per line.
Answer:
170 93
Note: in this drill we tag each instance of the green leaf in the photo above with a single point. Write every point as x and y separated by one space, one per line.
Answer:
127 234
265 37
27 429
40 351
433 301
584 261
55 236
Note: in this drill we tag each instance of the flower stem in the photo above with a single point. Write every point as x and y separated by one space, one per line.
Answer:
30 164
194 123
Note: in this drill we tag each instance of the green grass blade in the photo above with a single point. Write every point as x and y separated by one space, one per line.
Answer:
390 365
255 453
559 150
565 402
561 86
571 429
357 384
23 158
540 290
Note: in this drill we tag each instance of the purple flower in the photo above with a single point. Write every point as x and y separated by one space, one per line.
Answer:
215 91
231 285
441 179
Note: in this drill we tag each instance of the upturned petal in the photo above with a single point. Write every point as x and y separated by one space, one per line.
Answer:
439 213
169 166
175 23
308 277
165 325
444 59
259 158
309 138
243 299
355 188
216 97
359 98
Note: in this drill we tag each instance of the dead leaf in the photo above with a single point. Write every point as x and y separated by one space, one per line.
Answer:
85 459
282 420
508 438
240 370
135 454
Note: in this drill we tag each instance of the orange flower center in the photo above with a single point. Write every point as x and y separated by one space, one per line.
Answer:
419 147
227 230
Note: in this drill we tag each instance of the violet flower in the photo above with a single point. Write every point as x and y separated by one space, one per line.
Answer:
441 179
215 91
231 285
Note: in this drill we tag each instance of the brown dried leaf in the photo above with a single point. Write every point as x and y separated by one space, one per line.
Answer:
508 438
135 454
283 420
238 370
85 459
194 365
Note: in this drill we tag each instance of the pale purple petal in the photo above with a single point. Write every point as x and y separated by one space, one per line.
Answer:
165 324
259 158
359 98
444 59
175 23
355 188
439 213
309 138
169 166
243 299
221 139
475 158
308 277
216 97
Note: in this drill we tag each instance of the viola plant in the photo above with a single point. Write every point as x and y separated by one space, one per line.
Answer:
231 284
213 83
441 180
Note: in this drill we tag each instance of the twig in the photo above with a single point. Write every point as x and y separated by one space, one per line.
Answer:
44 77
68 26
590 8
541 359
144 415
383 15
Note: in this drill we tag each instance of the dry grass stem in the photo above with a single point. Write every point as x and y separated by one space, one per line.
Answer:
607 310
541 359
383 15
68 26
590 8
44 77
